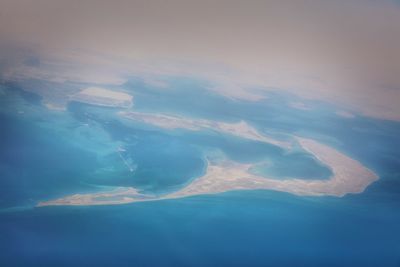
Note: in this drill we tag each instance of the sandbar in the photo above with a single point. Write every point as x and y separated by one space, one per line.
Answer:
240 129
103 97
349 177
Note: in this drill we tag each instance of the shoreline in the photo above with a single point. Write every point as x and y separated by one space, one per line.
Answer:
349 177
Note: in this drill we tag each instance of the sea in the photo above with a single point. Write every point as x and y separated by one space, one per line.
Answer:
47 154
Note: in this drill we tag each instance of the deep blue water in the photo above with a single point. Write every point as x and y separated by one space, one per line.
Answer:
233 229
45 155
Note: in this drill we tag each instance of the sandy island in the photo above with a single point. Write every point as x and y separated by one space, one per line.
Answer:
349 176
103 97
241 129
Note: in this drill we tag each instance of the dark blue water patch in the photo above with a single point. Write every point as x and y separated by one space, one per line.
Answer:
36 163
29 97
257 228
294 165
11 92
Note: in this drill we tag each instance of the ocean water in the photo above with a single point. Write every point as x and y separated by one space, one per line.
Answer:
46 154
37 163
302 166
232 229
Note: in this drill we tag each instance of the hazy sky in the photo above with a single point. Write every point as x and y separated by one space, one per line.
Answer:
347 52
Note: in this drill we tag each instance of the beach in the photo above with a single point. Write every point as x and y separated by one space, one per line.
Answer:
349 176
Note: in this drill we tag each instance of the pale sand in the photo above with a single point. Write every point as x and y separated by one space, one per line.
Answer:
103 97
241 129
349 176
119 195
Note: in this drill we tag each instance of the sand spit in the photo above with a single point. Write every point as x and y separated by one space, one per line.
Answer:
241 129
349 176
119 195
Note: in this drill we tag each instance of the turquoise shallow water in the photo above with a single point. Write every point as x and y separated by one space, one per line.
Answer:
295 165
48 154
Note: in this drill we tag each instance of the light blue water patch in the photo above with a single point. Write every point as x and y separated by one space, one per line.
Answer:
152 161
235 148
295 165
155 163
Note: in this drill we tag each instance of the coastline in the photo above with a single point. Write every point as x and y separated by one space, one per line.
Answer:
349 176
